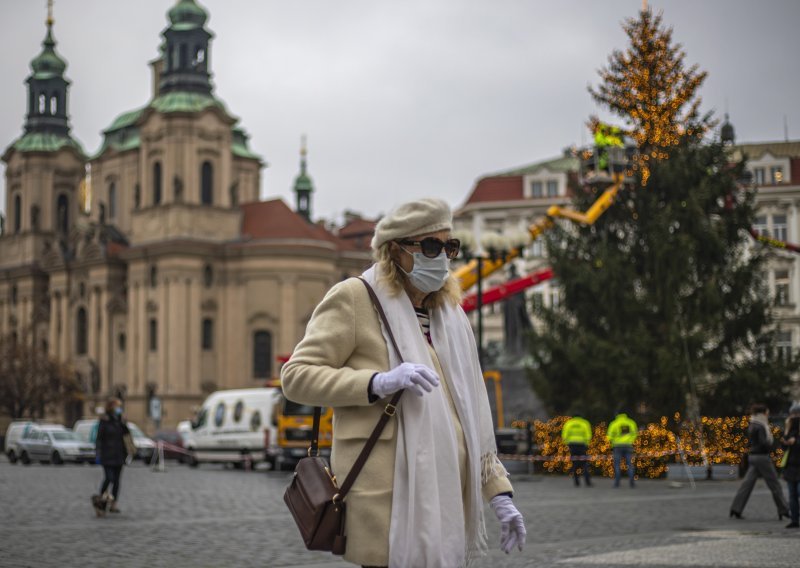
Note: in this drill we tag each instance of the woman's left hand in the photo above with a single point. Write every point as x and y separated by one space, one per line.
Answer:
512 525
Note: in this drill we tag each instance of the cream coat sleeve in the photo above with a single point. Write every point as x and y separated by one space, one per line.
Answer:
318 373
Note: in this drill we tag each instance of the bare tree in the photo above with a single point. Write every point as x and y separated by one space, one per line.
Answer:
31 381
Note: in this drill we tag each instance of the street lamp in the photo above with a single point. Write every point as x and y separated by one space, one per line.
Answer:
495 247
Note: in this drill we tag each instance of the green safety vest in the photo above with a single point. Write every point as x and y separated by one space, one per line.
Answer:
622 431
576 430
606 136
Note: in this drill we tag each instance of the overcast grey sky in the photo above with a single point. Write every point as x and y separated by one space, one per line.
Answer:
403 99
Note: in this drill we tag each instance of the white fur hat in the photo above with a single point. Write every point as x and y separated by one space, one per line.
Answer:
414 218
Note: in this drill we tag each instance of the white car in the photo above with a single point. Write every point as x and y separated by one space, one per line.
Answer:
54 444
145 447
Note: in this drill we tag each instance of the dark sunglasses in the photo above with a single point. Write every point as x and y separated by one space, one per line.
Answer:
432 247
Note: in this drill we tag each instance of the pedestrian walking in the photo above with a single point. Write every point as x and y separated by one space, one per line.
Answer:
622 433
759 434
112 452
576 434
418 499
791 466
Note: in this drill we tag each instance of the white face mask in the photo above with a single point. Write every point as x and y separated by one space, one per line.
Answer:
428 274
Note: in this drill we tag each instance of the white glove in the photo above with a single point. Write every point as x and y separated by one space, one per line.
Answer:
512 525
417 378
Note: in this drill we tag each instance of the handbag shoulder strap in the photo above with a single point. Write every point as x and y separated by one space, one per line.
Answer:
388 411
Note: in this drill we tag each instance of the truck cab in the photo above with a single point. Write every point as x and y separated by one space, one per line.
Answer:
294 424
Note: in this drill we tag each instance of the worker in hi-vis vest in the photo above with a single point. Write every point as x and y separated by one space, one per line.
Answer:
577 433
622 434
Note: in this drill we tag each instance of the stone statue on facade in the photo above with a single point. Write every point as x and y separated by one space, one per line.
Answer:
177 188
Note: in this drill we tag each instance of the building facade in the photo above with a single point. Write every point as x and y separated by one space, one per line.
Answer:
152 267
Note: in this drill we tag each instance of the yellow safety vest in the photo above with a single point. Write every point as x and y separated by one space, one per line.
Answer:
622 431
576 430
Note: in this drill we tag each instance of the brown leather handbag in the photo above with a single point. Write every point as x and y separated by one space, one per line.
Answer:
315 500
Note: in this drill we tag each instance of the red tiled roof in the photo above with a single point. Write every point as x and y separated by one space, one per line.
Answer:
358 227
497 188
273 219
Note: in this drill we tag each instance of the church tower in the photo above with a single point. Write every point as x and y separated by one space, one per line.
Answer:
178 167
45 168
185 50
46 165
303 186
727 133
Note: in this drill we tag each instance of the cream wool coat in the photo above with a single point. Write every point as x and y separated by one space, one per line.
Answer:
332 366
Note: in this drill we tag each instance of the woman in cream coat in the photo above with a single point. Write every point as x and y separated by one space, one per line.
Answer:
419 499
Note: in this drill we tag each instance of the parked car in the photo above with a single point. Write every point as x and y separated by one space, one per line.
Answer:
54 444
14 433
87 430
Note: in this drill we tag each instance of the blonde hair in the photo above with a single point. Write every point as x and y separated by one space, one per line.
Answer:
396 280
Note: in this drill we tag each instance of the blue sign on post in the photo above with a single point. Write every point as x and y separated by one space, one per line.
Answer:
155 410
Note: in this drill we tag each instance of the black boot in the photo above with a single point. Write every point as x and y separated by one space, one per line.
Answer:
99 505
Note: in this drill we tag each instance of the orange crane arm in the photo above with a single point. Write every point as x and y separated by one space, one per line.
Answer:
468 274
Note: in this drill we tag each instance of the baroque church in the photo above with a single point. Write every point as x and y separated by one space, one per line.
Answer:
179 280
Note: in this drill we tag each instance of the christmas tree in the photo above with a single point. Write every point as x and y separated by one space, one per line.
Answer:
662 296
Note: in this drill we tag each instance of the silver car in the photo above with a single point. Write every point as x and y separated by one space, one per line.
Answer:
54 445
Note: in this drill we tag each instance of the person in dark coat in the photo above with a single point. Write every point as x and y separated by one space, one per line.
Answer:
791 470
112 454
759 464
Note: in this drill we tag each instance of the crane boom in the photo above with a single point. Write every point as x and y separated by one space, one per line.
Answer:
468 274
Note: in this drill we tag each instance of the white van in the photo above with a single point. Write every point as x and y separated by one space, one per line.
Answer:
234 426
15 432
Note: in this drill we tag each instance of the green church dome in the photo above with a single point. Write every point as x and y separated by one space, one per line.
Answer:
187 14
48 64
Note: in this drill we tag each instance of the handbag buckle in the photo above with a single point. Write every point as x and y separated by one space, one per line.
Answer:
390 409
332 477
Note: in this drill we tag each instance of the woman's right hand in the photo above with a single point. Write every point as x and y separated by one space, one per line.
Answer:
415 377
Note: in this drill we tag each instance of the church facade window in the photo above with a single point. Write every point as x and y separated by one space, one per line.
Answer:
262 354
157 183
208 334
153 334
207 183
112 200
17 213
62 214
81 332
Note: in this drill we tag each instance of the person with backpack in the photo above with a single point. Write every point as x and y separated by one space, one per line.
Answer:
759 434
622 433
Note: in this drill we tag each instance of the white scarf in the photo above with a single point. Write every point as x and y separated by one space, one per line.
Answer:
429 514
762 420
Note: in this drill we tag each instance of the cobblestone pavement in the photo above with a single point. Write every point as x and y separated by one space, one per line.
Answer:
213 517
